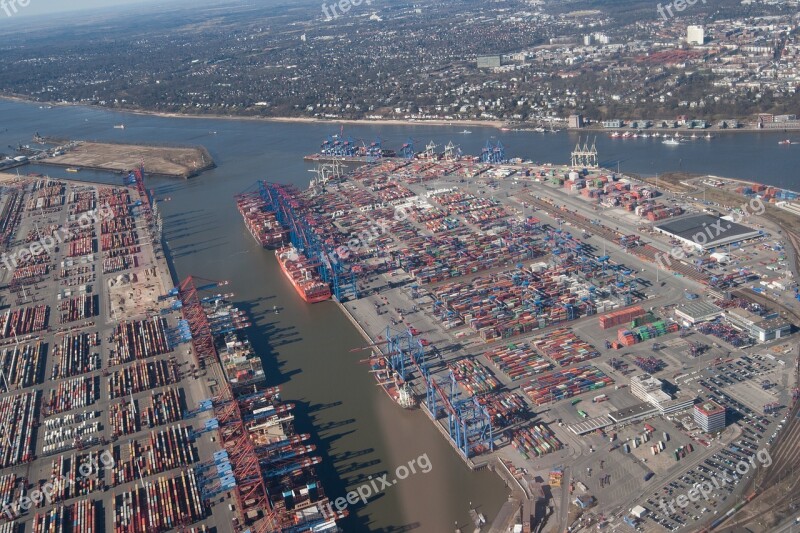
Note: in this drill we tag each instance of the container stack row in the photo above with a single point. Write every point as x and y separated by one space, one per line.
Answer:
564 347
142 376
518 361
17 418
139 339
644 333
620 317
567 383
535 440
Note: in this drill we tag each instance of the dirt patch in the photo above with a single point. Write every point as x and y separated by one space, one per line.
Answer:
135 293
167 161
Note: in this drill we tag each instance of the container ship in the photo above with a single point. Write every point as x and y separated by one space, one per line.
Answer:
295 495
261 222
294 498
302 274
391 381
241 365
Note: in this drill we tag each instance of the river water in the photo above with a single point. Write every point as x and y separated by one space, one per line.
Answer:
307 348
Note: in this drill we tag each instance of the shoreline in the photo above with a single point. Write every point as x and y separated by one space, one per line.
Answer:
497 124
683 131
296 120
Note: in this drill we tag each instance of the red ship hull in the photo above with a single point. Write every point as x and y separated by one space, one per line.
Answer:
300 273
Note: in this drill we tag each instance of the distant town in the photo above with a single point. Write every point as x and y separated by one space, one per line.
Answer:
512 61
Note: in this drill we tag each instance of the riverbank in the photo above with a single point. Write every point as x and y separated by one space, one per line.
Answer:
497 124
289 120
685 130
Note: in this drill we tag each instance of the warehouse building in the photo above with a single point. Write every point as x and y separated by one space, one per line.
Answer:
710 416
635 412
762 329
590 425
697 311
703 232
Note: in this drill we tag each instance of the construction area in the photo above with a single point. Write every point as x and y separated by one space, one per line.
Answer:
178 162
496 297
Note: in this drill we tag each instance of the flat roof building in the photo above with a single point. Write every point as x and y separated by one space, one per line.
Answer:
489 61
695 35
590 425
640 410
710 416
676 405
615 123
762 329
704 232
697 311
650 389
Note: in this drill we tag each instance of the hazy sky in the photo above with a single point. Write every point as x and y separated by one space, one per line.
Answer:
38 7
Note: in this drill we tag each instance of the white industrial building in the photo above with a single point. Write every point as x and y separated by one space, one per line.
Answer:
695 35
650 389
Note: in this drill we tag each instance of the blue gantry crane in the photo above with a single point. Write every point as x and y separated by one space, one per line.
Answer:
493 153
626 281
407 150
332 269
405 352
469 424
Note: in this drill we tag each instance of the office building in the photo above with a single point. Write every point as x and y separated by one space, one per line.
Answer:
695 35
650 390
710 416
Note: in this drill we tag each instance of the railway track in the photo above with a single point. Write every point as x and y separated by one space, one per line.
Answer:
785 456
768 303
646 252
765 484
